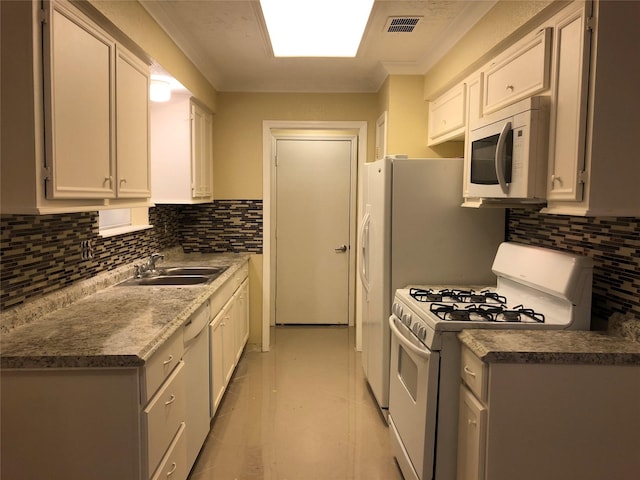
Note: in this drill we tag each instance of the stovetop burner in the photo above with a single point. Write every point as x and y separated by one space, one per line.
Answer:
456 296
485 313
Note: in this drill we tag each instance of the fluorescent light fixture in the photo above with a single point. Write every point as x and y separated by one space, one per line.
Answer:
316 28
159 90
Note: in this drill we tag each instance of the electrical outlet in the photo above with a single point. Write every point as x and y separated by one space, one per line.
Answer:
86 250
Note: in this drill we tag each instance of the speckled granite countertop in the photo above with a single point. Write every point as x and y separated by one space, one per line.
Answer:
551 346
101 324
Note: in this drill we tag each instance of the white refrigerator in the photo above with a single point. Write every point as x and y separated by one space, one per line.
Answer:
414 232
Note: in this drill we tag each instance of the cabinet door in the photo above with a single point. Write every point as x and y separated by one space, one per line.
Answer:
201 152
519 73
217 359
229 347
447 115
473 110
132 126
472 421
568 108
79 90
241 319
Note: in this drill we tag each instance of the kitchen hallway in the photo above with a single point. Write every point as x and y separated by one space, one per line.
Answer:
299 412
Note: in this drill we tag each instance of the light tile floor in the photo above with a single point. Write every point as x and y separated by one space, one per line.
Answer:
299 412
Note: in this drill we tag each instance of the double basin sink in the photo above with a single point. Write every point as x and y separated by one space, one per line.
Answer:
186 275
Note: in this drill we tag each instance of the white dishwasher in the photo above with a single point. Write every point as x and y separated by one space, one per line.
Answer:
196 372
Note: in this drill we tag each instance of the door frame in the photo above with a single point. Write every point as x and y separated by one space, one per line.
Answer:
271 131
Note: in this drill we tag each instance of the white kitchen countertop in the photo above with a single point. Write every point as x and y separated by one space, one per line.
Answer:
101 324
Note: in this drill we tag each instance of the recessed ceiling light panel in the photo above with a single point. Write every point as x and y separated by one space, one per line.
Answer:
316 28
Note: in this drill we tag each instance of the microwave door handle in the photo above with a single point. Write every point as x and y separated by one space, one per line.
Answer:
501 158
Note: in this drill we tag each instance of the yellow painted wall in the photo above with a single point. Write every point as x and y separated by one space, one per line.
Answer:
402 97
237 131
134 21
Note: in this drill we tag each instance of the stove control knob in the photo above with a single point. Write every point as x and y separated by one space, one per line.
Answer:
397 310
422 334
406 319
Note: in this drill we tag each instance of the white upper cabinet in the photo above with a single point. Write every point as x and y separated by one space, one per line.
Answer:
473 110
201 152
593 166
181 151
75 108
132 126
519 72
569 107
447 115
79 88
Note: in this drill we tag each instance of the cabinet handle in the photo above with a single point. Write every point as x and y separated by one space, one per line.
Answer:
469 372
510 88
168 360
172 399
123 180
174 466
472 422
108 179
555 178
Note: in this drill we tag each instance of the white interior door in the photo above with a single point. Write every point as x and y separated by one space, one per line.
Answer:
313 182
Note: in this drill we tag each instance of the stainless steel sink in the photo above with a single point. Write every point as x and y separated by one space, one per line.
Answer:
174 280
186 275
192 270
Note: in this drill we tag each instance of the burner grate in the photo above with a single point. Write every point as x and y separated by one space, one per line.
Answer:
456 295
485 313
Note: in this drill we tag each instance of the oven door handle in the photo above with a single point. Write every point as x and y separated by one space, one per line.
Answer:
406 338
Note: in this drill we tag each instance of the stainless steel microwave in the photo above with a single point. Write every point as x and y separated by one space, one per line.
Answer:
509 151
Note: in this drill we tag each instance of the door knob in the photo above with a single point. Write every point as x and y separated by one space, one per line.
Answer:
341 249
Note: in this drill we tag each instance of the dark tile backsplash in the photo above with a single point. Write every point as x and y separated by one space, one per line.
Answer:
613 243
40 254
222 226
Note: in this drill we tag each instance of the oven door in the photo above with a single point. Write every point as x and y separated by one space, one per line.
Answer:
413 396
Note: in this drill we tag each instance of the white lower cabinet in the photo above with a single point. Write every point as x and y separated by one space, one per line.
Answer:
530 421
130 423
229 333
472 422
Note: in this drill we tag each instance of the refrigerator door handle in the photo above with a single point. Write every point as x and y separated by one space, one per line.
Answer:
364 251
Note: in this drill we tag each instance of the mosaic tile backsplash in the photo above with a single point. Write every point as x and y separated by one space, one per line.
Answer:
613 243
40 254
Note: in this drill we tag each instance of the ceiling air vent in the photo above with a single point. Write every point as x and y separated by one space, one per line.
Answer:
401 24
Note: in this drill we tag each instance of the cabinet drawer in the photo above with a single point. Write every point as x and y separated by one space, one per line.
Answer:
226 291
174 463
519 73
160 365
474 373
447 115
163 415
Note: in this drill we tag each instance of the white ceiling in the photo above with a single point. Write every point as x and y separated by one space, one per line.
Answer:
228 43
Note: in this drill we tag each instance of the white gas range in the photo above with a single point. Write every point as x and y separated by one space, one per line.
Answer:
536 288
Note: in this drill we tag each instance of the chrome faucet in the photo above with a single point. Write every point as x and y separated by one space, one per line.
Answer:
151 263
149 267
